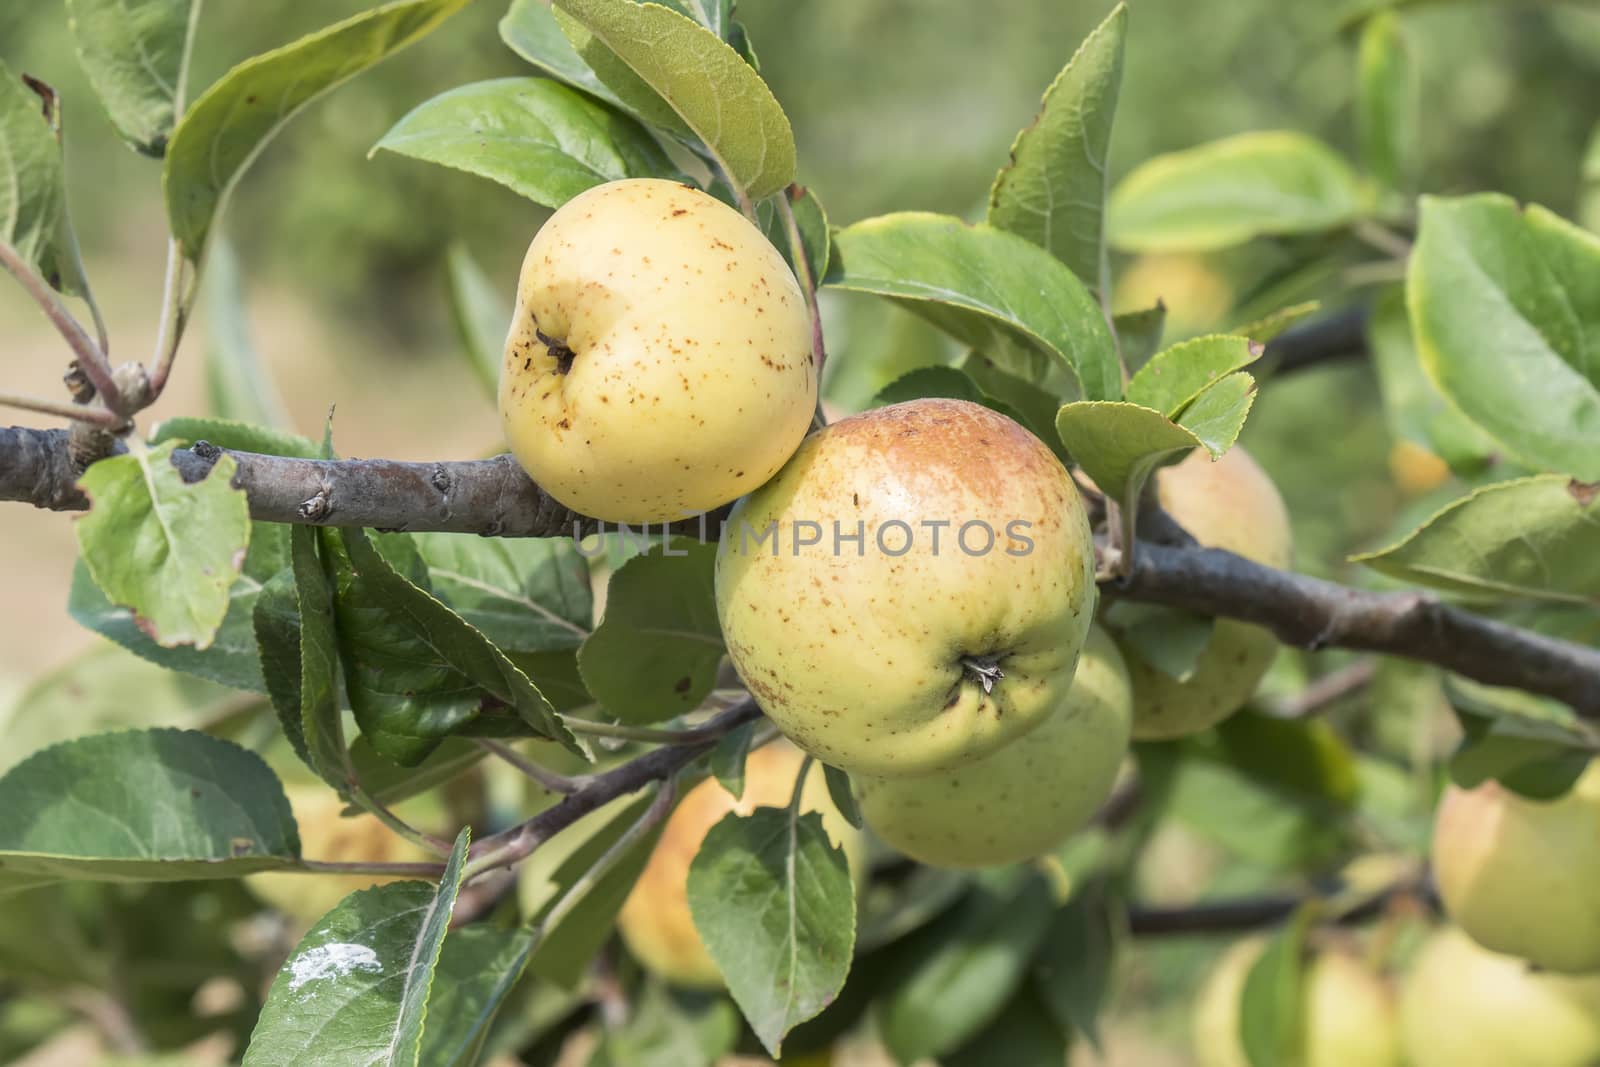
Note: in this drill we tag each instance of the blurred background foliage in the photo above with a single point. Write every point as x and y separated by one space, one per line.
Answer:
897 104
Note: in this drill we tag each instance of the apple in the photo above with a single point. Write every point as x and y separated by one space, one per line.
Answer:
655 922
912 590
1350 1015
659 360
325 834
1197 297
1231 504
1464 1006
1023 799
1522 876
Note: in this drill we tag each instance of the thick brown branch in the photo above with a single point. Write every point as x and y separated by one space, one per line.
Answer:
1342 335
494 497
1314 614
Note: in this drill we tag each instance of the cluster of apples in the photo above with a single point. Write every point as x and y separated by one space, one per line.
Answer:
909 593
1459 1005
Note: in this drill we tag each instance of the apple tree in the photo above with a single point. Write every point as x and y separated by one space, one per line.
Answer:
535 756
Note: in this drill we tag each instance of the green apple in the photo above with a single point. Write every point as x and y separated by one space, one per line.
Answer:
1350 1014
659 360
1025 798
327 835
1522 876
912 590
1464 1006
1231 504
655 922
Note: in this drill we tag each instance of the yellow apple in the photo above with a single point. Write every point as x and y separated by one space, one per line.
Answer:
1025 798
912 590
1196 295
659 359
1464 1006
327 835
1350 1014
1230 504
1522 876
655 922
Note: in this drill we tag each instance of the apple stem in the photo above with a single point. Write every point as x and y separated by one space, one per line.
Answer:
985 670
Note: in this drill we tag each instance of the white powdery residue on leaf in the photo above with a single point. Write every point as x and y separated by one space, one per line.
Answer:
332 961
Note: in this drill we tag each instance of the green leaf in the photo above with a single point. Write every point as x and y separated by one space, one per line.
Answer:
1054 189
728 758
537 138
480 313
1172 379
1533 748
388 783
1217 415
1505 309
136 54
1388 103
655 654
1139 334
1120 444
525 594
33 200
530 30
891 912
1280 829
143 806
1589 190
167 549
1302 760
1231 191
1274 323
478 968
222 133
843 797
231 659
234 435
1416 410
277 630
416 671
773 902
91 694
995 291
355 989
956 974
1534 537
238 386
1024 1034
1032 405
566 950
1077 960
1169 640
670 1028
812 221
320 712
1272 1005
691 76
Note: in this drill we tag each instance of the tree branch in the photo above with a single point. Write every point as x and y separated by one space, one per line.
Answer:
494 497
1243 914
1342 335
516 844
1314 614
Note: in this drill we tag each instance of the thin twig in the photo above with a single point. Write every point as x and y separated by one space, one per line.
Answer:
556 783
91 358
659 807
514 845
693 735
1327 690
405 870
374 807
807 278
1382 238
175 300
95 416
1242 914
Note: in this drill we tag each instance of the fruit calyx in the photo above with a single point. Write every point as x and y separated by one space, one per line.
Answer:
558 349
985 670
